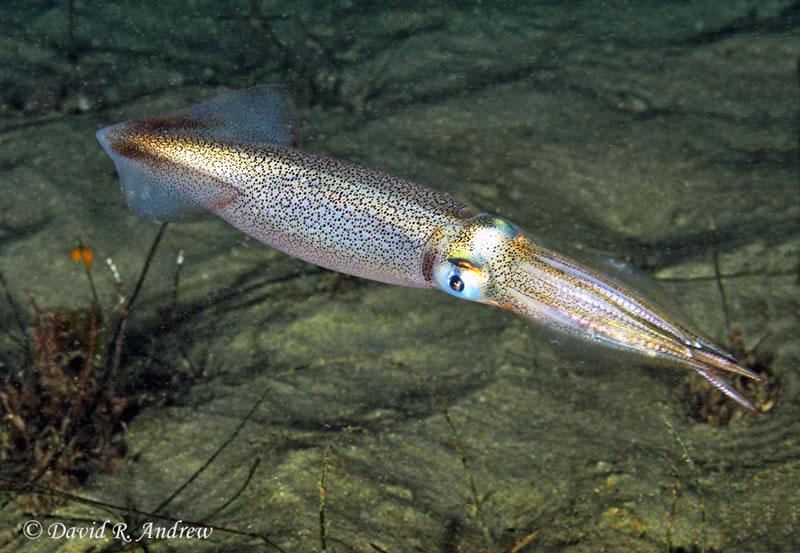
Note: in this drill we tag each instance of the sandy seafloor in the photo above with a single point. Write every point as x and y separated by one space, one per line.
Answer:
620 126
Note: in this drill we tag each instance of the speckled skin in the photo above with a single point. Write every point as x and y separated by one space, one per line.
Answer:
335 214
370 224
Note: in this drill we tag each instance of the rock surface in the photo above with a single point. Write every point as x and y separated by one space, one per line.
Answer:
446 426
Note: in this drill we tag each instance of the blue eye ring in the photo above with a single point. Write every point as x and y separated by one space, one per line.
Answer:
455 283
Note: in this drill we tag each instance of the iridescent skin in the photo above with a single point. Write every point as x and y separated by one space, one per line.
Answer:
370 224
488 259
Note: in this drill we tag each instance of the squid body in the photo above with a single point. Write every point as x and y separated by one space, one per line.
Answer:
235 156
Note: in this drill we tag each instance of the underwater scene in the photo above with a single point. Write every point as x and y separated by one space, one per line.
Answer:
440 277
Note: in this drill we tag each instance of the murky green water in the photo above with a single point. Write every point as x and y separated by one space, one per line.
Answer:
293 409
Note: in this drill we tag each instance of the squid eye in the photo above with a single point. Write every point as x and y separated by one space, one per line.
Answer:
456 284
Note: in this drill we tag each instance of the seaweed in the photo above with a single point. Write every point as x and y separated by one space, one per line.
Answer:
133 516
323 490
695 481
709 405
63 419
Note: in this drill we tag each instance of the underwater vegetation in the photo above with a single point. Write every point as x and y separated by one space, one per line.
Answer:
707 404
63 412
64 421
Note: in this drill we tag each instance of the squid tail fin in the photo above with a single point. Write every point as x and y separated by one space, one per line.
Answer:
156 187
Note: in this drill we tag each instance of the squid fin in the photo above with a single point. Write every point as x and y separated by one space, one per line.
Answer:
261 114
160 189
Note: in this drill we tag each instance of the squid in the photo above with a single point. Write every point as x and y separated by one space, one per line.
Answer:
237 157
